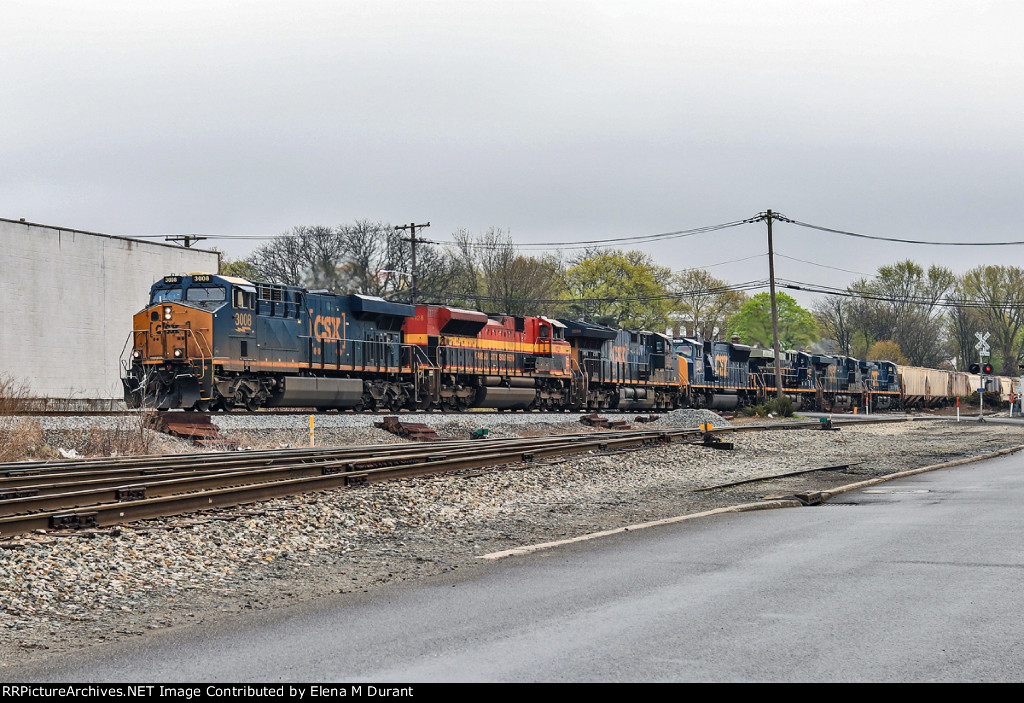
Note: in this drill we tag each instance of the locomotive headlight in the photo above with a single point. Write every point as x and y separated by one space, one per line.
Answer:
167 312
178 353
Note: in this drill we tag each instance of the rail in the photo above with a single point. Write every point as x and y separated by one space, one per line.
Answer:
97 493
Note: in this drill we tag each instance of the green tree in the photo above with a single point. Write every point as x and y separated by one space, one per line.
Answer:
623 288
886 350
239 268
753 323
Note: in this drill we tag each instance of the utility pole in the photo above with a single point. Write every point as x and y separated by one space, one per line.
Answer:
412 238
186 238
775 310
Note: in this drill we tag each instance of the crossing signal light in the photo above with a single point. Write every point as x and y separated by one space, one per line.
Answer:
974 368
987 368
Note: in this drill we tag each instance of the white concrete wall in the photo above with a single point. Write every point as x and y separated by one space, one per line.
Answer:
66 304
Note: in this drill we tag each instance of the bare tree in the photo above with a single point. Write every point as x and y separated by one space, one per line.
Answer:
705 303
833 316
964 321
365 257
281 260
1001 291
901 303
493 275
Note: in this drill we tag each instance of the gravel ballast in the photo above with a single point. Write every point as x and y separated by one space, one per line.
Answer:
63 591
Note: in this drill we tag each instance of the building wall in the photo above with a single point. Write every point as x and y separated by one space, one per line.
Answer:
66 303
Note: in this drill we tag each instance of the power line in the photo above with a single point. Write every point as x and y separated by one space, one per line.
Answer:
943 302
674 295
782 218
834 268
581 244
608 242
723 263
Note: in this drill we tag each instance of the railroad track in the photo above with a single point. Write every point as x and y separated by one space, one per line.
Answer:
104 492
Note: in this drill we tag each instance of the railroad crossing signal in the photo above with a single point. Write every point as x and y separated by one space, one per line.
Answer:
982 346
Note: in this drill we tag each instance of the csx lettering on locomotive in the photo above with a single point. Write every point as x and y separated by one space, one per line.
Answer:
328 327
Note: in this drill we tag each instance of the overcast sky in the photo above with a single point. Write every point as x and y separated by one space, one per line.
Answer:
558 121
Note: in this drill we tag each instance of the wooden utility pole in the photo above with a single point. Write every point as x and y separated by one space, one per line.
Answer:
775 310
412 239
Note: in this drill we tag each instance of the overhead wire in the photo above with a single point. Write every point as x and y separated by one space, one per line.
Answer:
580 244
942 301
747 285
782 218
606 242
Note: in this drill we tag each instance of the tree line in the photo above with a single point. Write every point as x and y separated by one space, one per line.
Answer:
904 313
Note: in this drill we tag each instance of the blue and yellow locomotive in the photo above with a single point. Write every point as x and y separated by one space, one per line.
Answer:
216 342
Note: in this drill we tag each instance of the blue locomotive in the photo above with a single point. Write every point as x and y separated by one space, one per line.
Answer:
216 342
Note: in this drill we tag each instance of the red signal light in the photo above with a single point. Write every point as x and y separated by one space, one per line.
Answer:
987 368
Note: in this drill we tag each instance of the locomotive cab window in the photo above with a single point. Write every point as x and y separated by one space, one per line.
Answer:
206 297
244 299
165 296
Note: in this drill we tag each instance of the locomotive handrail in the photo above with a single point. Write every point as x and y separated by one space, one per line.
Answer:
198 338
580 377
418 357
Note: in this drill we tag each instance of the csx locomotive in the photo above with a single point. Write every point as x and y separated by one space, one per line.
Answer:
207 341
216 342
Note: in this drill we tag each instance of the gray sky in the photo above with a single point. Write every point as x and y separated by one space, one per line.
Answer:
559 121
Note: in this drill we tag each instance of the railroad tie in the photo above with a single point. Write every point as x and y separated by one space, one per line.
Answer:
416 431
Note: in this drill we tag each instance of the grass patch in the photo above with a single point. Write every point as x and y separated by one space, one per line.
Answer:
777 407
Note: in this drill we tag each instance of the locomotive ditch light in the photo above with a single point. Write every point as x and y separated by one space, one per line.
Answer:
137 354
179 353
167 312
